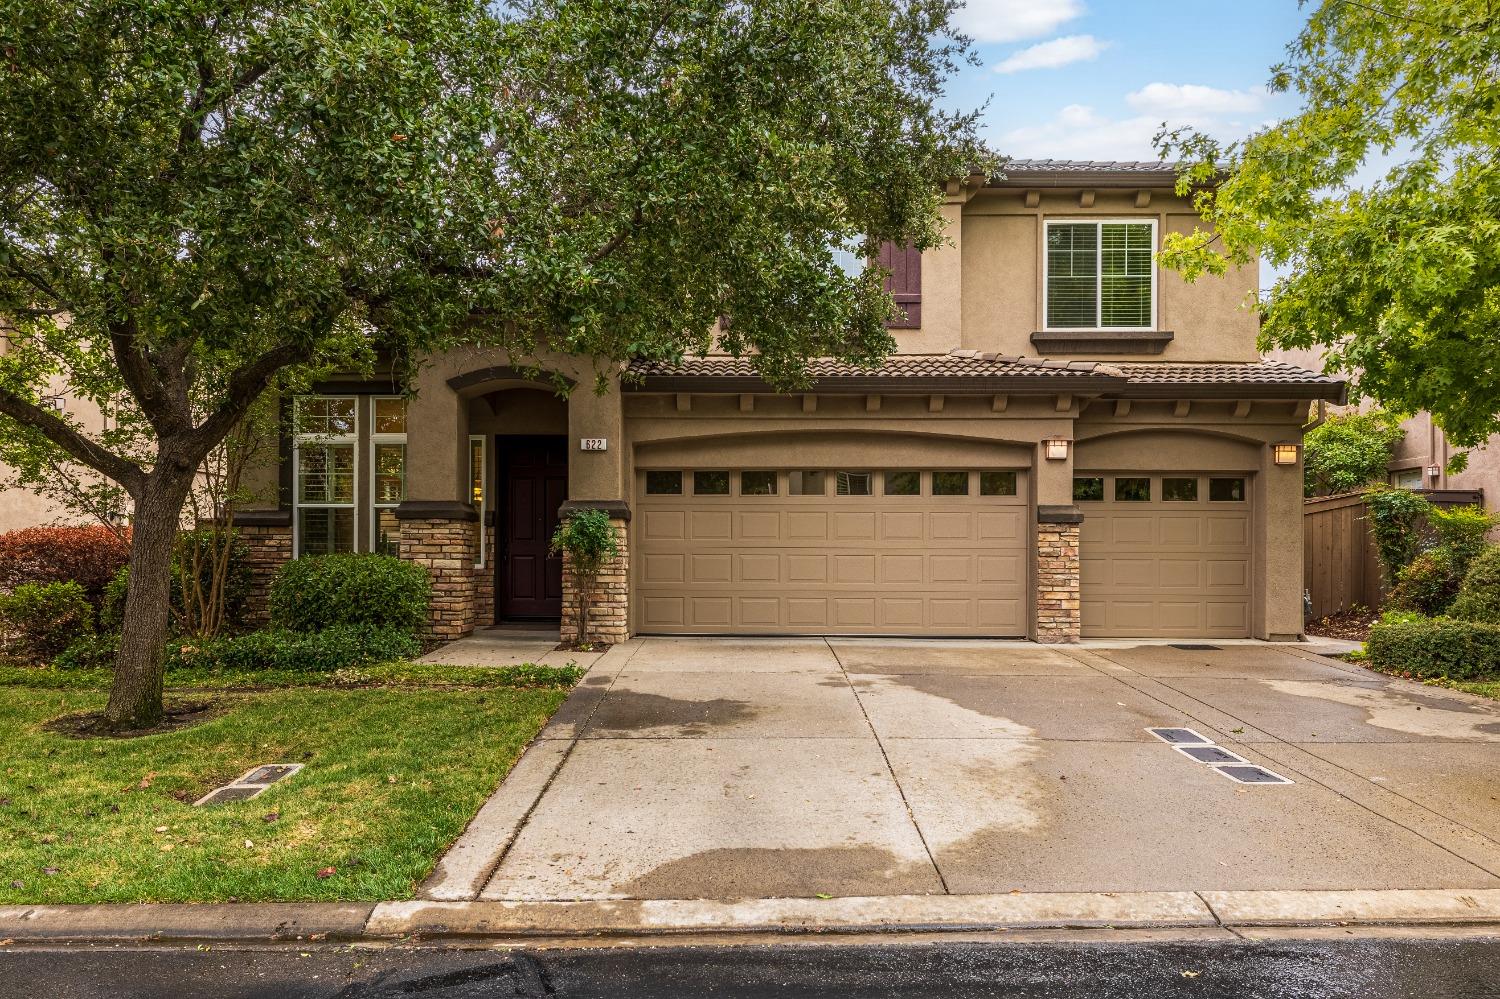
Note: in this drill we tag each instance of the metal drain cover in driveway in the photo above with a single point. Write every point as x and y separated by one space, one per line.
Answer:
1180 737
1250 774
1211 754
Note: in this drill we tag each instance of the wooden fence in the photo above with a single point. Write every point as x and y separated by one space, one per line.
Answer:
1340 569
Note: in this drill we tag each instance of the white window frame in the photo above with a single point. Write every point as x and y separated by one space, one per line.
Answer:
298 438
1155 323
484 488
375 439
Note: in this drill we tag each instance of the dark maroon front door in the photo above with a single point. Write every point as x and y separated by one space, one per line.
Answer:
533 484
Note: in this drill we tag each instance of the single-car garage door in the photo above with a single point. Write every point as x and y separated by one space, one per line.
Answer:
1164 554
813 551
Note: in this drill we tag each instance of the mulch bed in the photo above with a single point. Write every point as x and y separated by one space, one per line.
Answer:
583 647
1350 625
177 715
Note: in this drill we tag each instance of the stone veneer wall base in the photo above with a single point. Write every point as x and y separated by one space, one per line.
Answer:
447 548
1058 620
609 600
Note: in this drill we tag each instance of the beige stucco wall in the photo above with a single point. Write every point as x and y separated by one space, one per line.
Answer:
985 290
21 508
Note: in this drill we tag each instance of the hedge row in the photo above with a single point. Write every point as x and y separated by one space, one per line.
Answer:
1436 647
335 648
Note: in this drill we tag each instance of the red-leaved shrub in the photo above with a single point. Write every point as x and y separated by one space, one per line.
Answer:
88 556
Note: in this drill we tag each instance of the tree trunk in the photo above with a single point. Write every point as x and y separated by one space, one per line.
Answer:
135 699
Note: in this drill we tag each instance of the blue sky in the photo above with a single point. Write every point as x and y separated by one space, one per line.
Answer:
1094 79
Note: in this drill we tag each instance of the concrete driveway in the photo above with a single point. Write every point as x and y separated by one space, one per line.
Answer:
718 769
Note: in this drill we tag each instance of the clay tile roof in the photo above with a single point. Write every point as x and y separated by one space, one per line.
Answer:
967 369
1276 377
1089 166
973 371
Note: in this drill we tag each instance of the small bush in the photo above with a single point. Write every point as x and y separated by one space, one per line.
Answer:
1436 647
88 556
1396 517
1462 531
1479 596
89 652
1429 584
317 592
335 648
43 619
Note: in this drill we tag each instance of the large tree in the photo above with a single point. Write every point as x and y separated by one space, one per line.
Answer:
204 199
1380 199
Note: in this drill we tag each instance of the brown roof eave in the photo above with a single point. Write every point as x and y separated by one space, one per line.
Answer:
1334 392
1080 178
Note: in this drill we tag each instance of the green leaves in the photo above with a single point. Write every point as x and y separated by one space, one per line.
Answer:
1381 198
1349 451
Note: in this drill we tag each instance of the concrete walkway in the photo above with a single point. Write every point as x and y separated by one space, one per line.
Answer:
686 769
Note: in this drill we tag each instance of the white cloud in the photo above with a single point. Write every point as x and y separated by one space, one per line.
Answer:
1012 20
1170 99
1050 55
1081 133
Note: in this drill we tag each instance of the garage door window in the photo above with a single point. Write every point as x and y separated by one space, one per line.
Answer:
1226 490
757 483
950 483
903 483
997 483
663 483
854 483
806 484
710 483
1179 490
1132 490
1088 489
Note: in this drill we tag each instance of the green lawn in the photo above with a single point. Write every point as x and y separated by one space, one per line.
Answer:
393 775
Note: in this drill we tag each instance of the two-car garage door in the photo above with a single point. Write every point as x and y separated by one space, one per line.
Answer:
825 551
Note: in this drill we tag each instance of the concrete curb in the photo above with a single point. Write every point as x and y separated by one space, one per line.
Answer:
270 921
1467 910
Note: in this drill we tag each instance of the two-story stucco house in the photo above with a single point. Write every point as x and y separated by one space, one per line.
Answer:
1070 442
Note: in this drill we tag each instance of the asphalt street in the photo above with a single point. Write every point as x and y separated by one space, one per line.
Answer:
1368 968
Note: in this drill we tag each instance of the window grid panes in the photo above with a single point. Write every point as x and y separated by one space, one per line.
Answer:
1175 490
478 493
997 483
1130 489
326 468
950 483
853 483
1100 275
387 472
806 483
710 483
762 483
1088 488
1226 490
903 483
663 483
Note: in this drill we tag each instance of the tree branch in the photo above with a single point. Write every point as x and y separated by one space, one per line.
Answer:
122 470
245 386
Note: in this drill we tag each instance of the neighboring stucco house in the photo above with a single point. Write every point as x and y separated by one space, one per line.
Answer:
1070 442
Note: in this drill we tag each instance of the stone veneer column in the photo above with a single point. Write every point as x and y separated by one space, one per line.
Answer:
268 536
1057 586
442 537
609 601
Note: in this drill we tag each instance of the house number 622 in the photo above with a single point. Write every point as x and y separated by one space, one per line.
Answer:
593 444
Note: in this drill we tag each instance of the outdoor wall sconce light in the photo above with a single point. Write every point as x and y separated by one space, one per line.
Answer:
1057 448
1286 453
1433 471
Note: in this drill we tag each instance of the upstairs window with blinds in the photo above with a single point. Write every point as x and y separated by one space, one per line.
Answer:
1101 275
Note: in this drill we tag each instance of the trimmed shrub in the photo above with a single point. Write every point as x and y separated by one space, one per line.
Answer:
88 556
317 592
1462 531
89 652
1436 647
1429 584
335 648
1479 596
43 619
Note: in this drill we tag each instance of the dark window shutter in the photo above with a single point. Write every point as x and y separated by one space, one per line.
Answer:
904 282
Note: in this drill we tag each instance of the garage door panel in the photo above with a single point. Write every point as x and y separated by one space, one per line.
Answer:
711 525
1164 568
946 565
